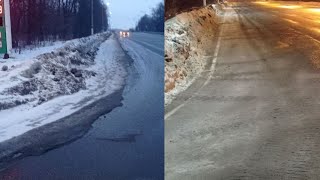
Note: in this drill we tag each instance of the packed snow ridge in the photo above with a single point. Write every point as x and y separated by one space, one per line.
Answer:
57 83
187 36
53 74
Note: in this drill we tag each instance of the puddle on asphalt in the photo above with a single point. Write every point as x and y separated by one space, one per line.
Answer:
128 138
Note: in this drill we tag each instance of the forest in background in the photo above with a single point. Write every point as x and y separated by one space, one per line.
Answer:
174 7
153 22
35 21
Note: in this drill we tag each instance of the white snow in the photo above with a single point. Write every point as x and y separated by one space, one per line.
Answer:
171 95
187 38
19 62
110 77
32 52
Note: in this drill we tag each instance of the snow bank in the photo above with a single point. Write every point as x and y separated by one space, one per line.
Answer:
51 74
186 36
57 84
32 51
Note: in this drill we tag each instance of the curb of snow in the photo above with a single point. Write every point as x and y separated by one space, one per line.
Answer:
186 38
61 72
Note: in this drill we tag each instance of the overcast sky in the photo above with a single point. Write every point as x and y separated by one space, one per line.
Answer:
126 13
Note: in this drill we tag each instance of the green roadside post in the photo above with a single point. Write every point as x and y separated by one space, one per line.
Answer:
5 28
3 39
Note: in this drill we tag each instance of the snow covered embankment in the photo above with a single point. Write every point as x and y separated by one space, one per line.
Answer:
57 84
50 75
186 38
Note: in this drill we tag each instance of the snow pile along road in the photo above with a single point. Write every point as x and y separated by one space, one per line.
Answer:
56 84
52 74
186 38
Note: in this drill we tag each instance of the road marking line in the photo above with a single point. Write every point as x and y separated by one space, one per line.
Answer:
212 70
214 60
169 114
215 56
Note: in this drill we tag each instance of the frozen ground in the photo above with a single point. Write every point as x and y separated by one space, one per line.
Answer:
186 39
53 85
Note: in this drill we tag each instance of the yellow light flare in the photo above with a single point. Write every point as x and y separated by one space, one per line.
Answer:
265 3
316 30
261 2
277 5
289 6
314 10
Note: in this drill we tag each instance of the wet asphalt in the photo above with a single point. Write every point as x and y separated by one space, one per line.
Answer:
127 143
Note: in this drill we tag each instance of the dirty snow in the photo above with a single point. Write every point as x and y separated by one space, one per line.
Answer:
100 76
186 39
19 62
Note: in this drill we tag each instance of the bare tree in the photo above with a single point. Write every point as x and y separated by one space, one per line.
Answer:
35 21
153 22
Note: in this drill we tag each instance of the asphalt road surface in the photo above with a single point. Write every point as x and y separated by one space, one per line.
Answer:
153 42
255 113
124 144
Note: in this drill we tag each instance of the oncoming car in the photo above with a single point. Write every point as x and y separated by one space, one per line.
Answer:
124 34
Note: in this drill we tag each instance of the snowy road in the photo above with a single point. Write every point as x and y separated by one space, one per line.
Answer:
126 143
255 113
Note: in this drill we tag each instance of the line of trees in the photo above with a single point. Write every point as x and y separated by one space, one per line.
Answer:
174 7
153 22
46 20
